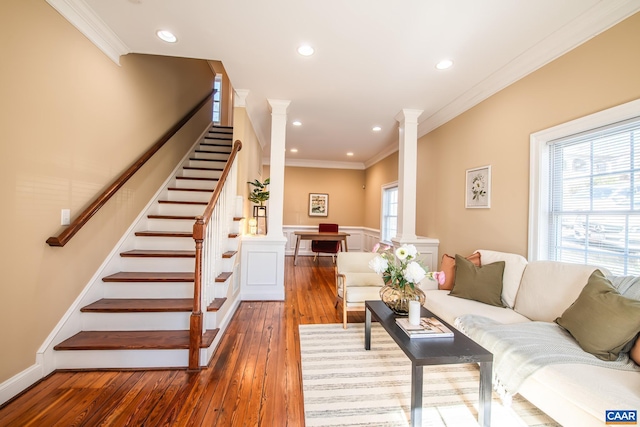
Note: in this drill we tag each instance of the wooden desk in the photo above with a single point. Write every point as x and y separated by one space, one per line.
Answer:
316 235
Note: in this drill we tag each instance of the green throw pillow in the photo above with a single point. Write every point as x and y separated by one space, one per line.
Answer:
482 284
602 320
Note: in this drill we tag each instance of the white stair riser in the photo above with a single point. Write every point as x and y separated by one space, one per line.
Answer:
166 243
145 290
95 359
222 136
216 146
193 183
211 320
178 209
206 164
135 321
189 196
201 174
216 156
170 225
158 264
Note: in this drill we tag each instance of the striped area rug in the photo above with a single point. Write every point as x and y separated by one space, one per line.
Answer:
345 385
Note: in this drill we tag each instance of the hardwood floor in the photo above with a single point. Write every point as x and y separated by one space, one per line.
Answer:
254 379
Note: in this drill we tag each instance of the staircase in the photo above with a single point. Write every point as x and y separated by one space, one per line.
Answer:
140 317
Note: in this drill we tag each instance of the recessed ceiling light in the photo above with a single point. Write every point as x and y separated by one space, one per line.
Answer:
297 123
376 129
305 50
166 36
349 153
444 64
294 150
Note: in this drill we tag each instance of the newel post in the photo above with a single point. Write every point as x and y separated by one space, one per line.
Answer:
195 323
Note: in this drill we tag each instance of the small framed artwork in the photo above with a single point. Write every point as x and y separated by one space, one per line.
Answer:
318 204
478 188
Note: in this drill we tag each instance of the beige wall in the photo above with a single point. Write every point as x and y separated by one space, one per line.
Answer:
71 121
601 73
344 187
382 173
249 158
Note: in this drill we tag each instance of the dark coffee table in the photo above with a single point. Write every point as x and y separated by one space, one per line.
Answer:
433 351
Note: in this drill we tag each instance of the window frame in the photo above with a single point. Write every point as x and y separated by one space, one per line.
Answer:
539 173
383 189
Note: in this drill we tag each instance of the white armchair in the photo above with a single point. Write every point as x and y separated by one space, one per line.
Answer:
355 282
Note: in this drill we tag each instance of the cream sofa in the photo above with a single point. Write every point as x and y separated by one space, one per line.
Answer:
355 282
572 394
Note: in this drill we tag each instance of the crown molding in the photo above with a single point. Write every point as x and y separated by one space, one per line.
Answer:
240 100
596 20
386 152
81 16
323 164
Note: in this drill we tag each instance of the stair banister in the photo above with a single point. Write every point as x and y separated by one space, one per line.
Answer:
201 242
66 235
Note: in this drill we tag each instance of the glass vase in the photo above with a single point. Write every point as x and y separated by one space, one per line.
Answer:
397 299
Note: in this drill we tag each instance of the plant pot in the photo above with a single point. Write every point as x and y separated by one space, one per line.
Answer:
398 299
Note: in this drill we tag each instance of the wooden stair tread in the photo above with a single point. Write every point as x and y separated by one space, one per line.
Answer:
134 305
216 304
133 340
181 217
151 253
149 276
229 254
222 277
165 233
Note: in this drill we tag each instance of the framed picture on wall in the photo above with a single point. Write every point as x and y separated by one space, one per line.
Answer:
478 188
318 204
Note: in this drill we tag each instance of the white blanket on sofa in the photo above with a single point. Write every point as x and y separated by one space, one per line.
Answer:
522 348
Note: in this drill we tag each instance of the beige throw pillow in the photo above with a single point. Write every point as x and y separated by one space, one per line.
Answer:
483 284
601 320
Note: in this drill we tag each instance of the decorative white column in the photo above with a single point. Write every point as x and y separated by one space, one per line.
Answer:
407 173
240 98
407 193
263 256
276 168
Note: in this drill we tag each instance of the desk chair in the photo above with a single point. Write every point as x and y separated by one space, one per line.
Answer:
326 246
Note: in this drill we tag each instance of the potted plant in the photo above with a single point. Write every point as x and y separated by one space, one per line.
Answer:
259 195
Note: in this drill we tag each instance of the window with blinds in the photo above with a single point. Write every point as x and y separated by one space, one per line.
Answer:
595 198
217 85
389 226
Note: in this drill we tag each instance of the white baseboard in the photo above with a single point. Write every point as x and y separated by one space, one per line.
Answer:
20 382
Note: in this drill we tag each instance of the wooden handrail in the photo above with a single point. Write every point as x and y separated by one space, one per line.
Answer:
199 233
66 235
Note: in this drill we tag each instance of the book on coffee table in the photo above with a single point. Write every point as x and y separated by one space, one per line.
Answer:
429 327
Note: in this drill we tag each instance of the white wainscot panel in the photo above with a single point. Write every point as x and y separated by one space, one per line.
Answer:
263 271
262 276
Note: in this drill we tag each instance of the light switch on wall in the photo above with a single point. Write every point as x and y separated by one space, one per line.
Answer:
65 217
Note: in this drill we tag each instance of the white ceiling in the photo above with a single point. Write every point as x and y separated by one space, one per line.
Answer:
373 57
